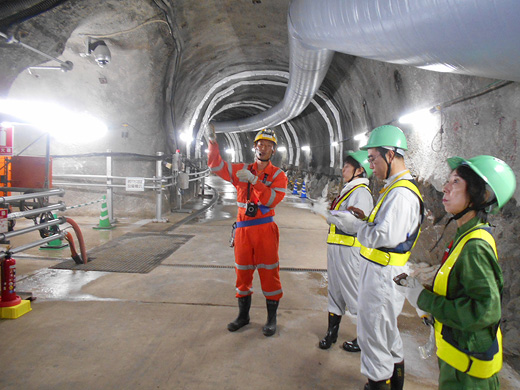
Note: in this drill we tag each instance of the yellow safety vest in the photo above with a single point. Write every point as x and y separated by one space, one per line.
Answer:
386 256
336 236
448 352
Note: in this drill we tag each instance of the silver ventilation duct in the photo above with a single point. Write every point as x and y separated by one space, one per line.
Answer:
307 68
476 38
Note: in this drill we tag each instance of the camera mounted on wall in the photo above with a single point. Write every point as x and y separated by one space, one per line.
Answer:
99 50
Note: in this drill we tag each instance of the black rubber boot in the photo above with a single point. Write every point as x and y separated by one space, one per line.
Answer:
380 385
244 304
351 346
270 326
398 376
332 333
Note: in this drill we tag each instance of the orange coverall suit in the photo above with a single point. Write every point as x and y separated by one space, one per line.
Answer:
256 245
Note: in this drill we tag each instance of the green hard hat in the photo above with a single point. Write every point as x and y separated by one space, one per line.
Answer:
386 135
361 156
496 173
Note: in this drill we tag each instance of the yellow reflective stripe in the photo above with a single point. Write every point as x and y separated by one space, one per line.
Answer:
384 258
390 258
400 183
440 285
464 362
447 352
344 239
345 197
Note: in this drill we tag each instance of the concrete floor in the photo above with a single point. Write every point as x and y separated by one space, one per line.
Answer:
167 329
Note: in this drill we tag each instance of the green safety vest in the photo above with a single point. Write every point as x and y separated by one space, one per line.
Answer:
386 256
446 351
336 236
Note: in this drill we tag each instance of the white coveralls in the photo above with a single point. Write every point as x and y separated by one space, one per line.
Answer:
379 302
342 260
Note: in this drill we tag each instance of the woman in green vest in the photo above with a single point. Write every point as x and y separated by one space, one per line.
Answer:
466 298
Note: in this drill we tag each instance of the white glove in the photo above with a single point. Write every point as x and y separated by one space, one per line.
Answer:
411 288
210 132
347 222
330 218
246 176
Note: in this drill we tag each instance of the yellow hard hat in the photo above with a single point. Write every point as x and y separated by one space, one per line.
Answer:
267 134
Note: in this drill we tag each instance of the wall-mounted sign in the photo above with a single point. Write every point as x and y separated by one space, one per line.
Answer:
6 141
135 183
3 220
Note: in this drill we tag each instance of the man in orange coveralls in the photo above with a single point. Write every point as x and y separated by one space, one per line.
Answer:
260 187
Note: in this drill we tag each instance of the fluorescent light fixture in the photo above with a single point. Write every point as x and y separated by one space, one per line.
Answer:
281 148
206 151
362 138
58 121
230 151
185 137
335 144
417 118
445 68
306 148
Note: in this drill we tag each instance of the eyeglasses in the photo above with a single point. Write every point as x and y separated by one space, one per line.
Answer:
371 159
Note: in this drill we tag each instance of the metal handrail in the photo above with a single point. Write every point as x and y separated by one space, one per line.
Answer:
8 235
22 248
159 182
79 176
41 210
32 195
205 173
199 173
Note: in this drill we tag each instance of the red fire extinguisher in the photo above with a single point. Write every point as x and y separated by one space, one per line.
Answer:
8 280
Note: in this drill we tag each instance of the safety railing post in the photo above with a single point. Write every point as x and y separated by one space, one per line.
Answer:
158 188
203 180
110 190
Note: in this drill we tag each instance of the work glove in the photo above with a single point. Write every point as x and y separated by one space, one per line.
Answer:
210 132
345 221
246 176
329 217
411 288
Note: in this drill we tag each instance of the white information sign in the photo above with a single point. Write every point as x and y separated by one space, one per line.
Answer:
3 220
135 183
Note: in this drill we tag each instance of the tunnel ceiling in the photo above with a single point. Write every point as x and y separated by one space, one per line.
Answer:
214 38
179 63
206 42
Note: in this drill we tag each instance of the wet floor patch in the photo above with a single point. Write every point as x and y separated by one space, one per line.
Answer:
52 284
130 253
321 278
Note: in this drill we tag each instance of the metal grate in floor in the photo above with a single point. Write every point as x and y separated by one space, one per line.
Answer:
130 253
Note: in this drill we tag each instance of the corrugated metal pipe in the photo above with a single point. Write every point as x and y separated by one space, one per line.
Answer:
477 38
17 11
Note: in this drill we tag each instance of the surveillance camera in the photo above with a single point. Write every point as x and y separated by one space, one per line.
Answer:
101 53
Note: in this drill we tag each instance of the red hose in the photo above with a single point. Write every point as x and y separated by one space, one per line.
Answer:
77 230
70 240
